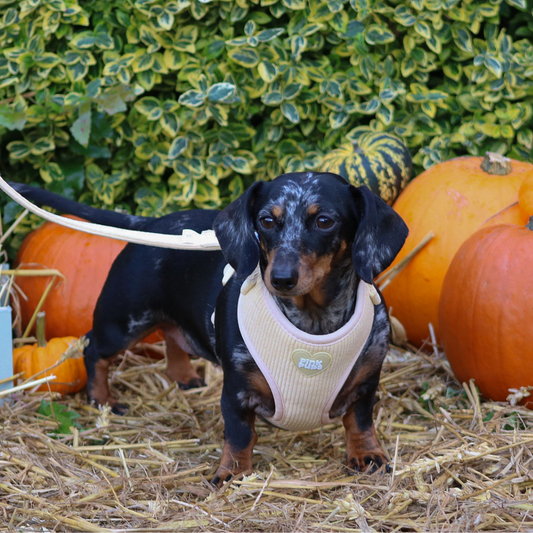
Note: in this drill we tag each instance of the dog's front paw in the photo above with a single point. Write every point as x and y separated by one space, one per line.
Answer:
224 475
119 409
116 407
193 383
234 462
368 461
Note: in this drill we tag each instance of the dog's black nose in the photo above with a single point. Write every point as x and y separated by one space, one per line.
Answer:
284 279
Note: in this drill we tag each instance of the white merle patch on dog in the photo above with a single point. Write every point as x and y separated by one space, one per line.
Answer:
141 323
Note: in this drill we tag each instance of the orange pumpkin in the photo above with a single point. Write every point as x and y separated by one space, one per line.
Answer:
485 312
71 375
452 199
525 196
83 259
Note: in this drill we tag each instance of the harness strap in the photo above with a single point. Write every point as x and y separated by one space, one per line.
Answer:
305 372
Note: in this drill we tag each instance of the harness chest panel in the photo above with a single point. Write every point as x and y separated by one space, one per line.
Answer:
305 372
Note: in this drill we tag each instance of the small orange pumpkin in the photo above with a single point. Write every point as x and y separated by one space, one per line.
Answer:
485 311
71 375
84 260
452 199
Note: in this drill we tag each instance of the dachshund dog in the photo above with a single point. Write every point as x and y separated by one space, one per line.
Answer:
314 237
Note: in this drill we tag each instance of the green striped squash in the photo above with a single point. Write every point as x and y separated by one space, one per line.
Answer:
378 160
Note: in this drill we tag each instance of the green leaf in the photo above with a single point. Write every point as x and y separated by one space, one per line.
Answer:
220 92
51 172
42 145
290 112
179 144
236 187
520 4
408 66
94 173
298 45
493 65
294 5
19 149
422 29
244 56
11 118
150 107
453 70
337 120
272 98
192 98
291 90
463 40
386 114
81 129
170 124
376 34
83 40
369 108
267 71
267 35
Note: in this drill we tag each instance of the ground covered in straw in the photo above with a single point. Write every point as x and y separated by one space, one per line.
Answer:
458 463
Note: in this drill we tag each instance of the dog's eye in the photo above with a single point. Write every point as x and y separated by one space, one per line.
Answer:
323 222
267 222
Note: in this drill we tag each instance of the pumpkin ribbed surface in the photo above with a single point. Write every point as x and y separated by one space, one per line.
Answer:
452 199
378 160
71 375
486 311
83 259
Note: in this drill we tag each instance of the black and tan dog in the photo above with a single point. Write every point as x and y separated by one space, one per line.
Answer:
314 237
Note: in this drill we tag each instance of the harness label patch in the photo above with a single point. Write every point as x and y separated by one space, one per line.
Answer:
310 365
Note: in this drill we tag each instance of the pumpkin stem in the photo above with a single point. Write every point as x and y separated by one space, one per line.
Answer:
496 164
39 329
529 225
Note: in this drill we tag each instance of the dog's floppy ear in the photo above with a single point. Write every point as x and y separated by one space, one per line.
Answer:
235 231
379 237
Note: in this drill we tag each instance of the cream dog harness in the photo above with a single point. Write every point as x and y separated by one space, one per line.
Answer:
305 372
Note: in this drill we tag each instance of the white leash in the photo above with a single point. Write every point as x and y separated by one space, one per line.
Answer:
188 240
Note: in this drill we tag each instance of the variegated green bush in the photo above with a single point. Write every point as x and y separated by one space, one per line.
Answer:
156 105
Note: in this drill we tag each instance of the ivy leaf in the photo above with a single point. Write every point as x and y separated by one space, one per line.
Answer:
220 91
267 35
192 98
179 144
244 56
290 112
376 34
493 65
81 129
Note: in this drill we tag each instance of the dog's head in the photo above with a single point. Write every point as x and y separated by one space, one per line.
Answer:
300 225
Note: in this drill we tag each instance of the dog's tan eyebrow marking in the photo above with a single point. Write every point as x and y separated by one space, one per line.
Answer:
313 209
277 211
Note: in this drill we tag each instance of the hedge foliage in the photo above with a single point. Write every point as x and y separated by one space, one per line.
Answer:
155 105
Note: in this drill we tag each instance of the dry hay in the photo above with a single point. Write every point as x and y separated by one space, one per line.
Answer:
458 463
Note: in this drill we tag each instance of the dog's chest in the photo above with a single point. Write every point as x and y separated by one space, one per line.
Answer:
305 372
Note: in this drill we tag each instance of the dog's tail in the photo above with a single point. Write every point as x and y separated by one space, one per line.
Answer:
92 214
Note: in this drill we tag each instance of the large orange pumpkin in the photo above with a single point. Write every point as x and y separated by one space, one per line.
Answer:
486 311
83 259
71 375
452 199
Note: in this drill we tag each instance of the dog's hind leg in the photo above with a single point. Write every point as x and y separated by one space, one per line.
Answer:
97 365
179 368
111 334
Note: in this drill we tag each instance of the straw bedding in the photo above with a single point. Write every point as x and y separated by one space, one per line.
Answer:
458 463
